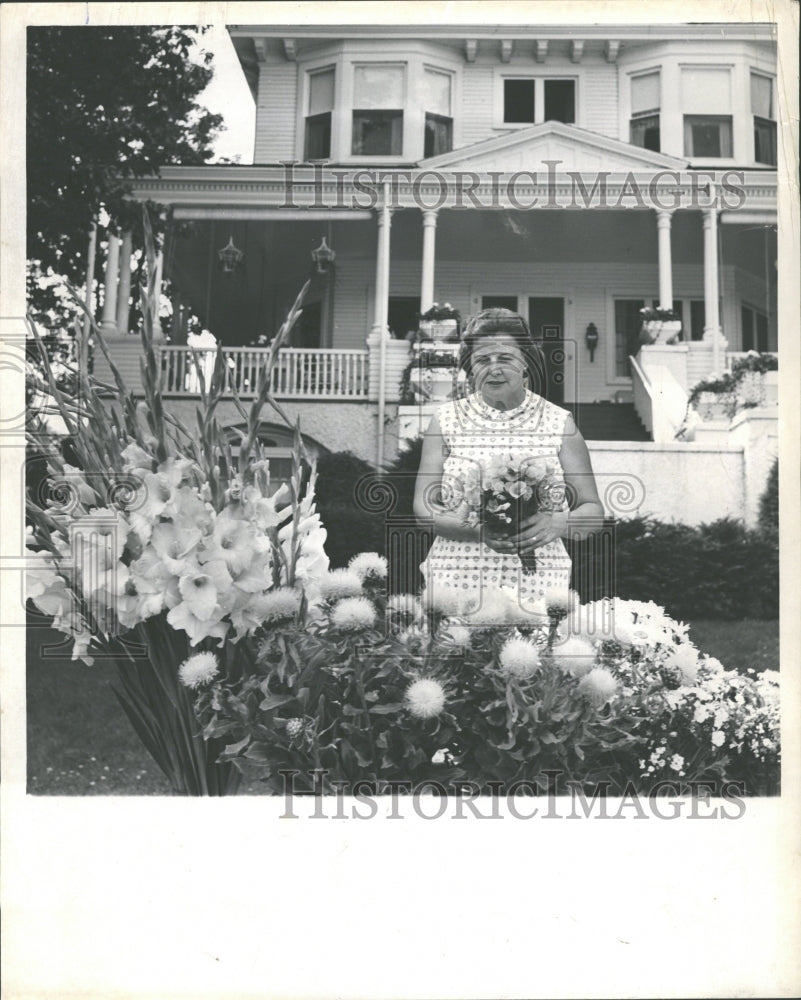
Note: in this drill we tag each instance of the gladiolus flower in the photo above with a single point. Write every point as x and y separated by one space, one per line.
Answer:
425 698
198 670
519 658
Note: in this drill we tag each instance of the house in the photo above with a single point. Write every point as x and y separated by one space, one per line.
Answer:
575 175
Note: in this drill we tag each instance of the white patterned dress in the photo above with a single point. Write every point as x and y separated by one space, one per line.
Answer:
476 432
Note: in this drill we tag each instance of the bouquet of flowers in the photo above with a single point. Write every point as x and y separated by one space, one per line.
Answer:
510 489
162 550
439 312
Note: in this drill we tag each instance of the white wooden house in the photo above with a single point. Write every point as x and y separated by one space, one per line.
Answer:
575 175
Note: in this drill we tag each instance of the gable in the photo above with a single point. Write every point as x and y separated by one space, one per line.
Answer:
573 148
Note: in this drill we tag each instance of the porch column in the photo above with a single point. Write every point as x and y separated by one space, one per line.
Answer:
712 331
429 244
108 324
124 290
665 261
158 332
89 300
381 308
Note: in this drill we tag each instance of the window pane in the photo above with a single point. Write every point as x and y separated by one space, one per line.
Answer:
321 92
437 92
377 133
707 136
765 141
645 132
560 103
761 96
747 321
518 101
761 332
378 87
499 302
708 90
318 136
438 135
627 333
645 93
697 319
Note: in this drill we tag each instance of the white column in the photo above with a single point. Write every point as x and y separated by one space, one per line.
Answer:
124 290
665 261
108 323
158 332
712 331
429 244
381 305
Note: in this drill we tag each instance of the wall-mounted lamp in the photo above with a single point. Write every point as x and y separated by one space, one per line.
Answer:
323 257
591 339
230 256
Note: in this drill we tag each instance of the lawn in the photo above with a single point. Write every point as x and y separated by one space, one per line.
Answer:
81 743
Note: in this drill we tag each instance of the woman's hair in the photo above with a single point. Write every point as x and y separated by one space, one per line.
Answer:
504 323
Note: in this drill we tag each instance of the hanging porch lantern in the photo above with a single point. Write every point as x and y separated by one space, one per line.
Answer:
230 257
323 257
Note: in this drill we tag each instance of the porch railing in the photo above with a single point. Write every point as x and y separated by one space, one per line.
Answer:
310 373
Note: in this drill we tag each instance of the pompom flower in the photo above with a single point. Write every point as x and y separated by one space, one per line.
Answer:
280 604
198 670
369 565
338 583
683 661
575 655
558 601
599 686
405 606
442 599
425 698
519 658
353 613
457 635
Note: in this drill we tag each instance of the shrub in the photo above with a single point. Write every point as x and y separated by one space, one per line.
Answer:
769 504
350 528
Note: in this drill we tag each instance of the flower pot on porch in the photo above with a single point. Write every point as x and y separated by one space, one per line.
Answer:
660 331
440 329
716 405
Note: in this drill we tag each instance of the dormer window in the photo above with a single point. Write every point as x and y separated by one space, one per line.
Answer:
706 94
318 118
763 110
437 104
645 107
377 110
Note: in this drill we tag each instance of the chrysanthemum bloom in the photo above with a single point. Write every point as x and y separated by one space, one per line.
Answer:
599 685
519 658
683 660
442 599
353 613
338 583
369 564
558 601
575 655
198 670
280 604
425 698
458 635
403 605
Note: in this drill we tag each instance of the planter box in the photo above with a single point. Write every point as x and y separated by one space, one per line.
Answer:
658 331
716 406
440 329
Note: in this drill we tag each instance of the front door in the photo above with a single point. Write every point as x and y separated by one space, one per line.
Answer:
546 319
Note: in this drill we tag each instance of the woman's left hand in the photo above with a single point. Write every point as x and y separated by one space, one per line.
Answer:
538 530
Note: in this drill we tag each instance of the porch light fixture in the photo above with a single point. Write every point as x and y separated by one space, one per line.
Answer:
230 256
323 257
591 339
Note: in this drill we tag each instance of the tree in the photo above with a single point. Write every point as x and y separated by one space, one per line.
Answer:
104 105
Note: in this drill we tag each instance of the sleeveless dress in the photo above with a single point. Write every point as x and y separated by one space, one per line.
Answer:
475 433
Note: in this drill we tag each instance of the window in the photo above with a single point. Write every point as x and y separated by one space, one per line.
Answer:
764 119
755 329
526 101
707 90
707 136
627 333
645 106
318 120
560 101
437 105
499 302
378 110
518 101
697 319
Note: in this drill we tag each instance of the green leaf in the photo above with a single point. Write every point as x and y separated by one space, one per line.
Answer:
275 701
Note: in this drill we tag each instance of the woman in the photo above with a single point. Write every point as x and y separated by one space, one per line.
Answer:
503 414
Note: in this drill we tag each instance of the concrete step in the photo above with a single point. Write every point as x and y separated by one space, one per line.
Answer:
608 421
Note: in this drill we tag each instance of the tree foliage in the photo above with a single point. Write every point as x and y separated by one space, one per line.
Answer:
104 105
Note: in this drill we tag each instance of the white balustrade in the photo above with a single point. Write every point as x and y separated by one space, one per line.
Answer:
301 373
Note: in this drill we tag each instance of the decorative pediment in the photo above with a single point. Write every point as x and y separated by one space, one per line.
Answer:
573 148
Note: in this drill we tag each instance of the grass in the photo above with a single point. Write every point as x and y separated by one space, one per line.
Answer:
81 743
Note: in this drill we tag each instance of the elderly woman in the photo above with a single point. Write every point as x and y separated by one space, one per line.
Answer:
503 414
